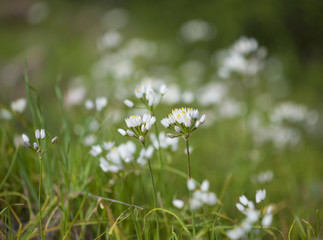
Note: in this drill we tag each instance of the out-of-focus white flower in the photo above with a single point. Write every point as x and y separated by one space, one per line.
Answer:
164 141
89 104
173 95
37 134
19 105
108 145
5 114
163 89
89 140
191 184
128 103
25 139
212 93
178 203
110 39
235 233
244 200
188 97
100 103
145 153
260 195
263 177
75 96
95 150
205 186
196 30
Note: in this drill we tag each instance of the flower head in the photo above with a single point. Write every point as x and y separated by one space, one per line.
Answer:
183 121
138 126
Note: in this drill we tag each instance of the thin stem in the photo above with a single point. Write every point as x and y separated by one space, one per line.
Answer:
188 159
39 192
189 177
155 196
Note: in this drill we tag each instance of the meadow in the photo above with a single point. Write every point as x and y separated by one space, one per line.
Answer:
117 127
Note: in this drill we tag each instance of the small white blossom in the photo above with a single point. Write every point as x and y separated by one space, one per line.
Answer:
19 105
89 104
244 200
178 203
42 134
95 150
100 103
163 89
25 139
260 195
191 184
128 103
37 134
122 132
205 186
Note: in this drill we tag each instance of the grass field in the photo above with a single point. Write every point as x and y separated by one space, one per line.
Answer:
142 123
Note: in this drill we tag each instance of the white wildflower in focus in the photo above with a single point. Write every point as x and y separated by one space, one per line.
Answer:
196 30
138 126
128 103
191 184
42 133
19 105
178 203
37 134
5 114
183 121
89 105
100 103
164 141
260 195
75 96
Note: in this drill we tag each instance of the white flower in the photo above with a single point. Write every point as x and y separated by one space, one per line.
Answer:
178 203
19 105
37 134
89 104
35 146
25 139
42 134
191 184
108 145
235 233
183 121
244 200
95 150
266 221
240 207
260 195
100 103
163 89
128 103
139 126
122 132
205 186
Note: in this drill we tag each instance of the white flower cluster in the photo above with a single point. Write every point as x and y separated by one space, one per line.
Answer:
200 196
245 57
252 214
114 158
39 135
138 126
149 96
183 121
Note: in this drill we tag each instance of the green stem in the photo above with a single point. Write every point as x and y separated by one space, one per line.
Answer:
39 192
155 196
189 177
